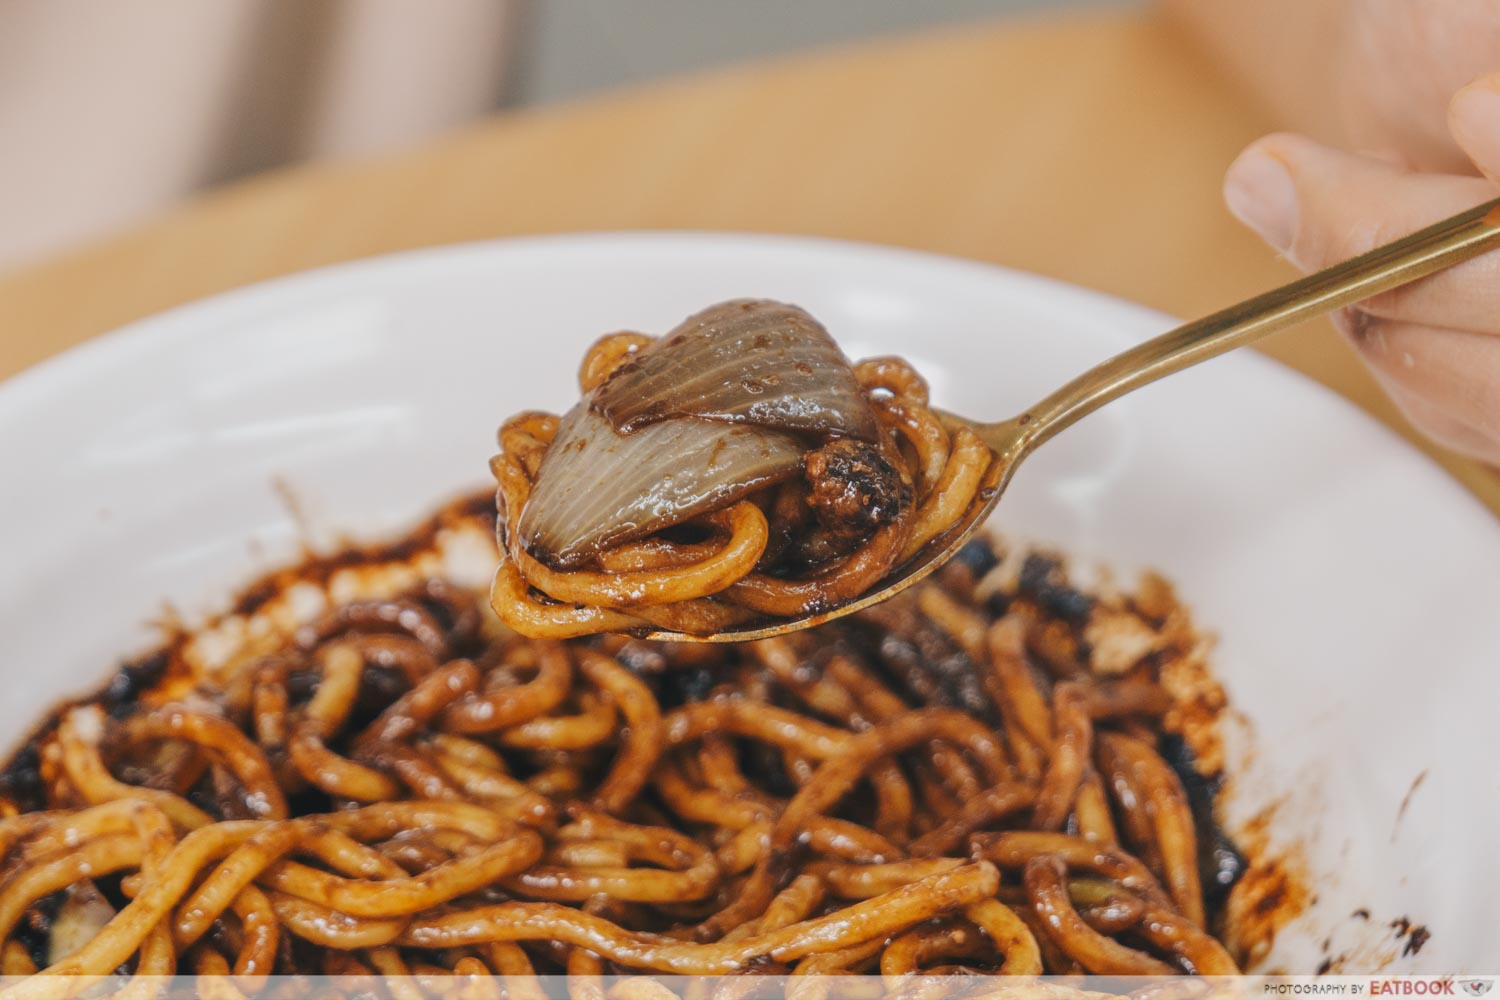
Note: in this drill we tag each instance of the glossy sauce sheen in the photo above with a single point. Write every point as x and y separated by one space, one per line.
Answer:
914 666
723 405
744 361
598 487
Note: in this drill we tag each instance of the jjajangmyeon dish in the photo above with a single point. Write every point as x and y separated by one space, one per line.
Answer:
994 772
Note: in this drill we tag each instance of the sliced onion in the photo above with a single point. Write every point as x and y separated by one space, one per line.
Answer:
83 914
747 361
597 487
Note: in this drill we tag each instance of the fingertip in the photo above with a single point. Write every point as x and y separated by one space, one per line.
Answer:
1294 150
1265 187
1320 205
1474 121
1260 192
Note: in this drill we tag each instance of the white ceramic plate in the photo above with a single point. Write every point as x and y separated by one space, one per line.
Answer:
1354 586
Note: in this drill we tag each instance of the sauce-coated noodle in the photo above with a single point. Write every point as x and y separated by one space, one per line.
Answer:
409 788
806 539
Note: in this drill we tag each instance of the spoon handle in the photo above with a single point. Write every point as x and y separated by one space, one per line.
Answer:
1424 252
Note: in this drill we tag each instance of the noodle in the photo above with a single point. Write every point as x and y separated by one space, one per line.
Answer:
407 789
772 555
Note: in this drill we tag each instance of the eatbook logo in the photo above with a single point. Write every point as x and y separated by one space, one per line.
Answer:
1475 987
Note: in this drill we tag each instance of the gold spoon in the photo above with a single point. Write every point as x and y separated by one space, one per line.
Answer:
1416 256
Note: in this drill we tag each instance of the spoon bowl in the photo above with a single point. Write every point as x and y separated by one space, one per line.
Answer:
1425 252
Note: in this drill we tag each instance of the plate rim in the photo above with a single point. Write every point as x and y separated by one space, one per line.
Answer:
194 329
32 383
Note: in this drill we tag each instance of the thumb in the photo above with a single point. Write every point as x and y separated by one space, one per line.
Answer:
1474 120
1433 344
1319 206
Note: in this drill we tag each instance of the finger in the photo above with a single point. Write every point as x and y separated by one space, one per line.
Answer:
1474 120
1399 64
1443 428
1446 382
1320 206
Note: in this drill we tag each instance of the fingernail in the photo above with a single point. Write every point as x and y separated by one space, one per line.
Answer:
1474 117
1259 191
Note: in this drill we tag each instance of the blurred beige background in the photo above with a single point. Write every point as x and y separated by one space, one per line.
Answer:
112 111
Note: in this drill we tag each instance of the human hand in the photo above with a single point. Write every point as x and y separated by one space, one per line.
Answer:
1434 345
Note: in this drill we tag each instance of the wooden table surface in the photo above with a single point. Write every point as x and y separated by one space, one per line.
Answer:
1089 148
